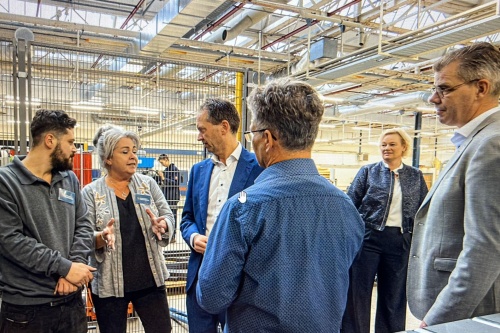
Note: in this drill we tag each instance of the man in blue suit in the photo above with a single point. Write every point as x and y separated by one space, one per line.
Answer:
230 170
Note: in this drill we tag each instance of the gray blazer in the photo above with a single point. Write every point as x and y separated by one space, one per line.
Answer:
454 267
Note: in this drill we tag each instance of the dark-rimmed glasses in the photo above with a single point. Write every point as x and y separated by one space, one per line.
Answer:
249 134
441 92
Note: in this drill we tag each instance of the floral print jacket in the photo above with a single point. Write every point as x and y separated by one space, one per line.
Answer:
102 206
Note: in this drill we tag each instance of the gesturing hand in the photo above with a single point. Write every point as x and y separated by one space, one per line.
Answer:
158 224
108 234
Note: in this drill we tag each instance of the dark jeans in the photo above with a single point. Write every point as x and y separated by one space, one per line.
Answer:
385 254
150 304
60 317
199 320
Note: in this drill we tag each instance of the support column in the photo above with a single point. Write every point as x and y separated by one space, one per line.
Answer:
417 139
22 88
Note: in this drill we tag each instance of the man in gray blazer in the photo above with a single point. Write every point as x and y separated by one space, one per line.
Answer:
454 272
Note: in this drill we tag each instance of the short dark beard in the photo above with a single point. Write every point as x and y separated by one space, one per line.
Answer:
59 163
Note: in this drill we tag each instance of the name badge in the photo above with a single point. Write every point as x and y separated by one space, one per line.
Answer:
66 196
143 199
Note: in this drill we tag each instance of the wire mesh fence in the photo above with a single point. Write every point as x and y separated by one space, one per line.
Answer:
158 100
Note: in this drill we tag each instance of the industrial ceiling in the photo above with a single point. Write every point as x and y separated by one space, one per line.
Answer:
372 60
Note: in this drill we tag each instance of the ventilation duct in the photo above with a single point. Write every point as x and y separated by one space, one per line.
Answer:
414 99
240 23
416 43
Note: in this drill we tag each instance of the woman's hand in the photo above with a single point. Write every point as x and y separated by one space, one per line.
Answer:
158 224
108 234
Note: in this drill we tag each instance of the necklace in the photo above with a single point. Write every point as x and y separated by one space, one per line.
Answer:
121 193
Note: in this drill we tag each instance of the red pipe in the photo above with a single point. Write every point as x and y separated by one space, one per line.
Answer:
209 76
220 21
97 61
343 90
154 69
313 22
132 13
38 7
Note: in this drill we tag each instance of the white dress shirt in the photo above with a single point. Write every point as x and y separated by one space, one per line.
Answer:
463 132
220 183
395 216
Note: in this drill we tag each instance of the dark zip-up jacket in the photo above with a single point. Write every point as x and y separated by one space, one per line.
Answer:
371 192
44 229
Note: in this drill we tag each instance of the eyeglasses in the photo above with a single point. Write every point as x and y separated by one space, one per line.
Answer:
249 134
441 92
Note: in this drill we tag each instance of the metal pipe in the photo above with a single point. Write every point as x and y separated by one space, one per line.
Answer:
221 20
39 3
132 13
313 22
244 21
419 97
248 18
66 26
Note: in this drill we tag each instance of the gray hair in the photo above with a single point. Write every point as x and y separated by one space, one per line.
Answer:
477 61
291 110
405 138
106 139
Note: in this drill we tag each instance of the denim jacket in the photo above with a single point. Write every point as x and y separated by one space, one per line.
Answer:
371 192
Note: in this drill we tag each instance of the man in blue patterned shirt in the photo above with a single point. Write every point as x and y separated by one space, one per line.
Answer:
280 255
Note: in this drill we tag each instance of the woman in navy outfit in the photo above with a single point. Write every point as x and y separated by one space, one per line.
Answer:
387 195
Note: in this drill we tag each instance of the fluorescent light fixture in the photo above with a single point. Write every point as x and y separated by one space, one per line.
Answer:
10 100
422 133
322 140
16 122
144 110
190 132
347 141
87 106
359 128
327 126
426 109
332 99
133 68
379 104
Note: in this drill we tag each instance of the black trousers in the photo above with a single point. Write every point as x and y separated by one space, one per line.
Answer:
385 254
62 316
150 304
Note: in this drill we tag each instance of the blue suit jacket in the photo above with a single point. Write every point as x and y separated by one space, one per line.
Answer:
194 215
